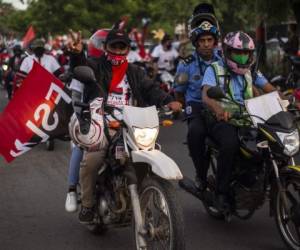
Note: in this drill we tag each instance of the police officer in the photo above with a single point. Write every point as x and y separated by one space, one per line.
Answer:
204 35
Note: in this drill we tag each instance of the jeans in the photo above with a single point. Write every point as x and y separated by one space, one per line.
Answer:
74 167
89 167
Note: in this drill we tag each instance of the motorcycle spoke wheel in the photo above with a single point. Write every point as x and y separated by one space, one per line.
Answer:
157 219
287 218
162 216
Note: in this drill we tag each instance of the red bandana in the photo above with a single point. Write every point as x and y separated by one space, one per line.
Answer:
118 73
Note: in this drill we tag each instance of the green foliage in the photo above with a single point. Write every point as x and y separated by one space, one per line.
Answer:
87 15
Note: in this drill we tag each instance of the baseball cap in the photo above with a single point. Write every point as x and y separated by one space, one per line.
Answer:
115 36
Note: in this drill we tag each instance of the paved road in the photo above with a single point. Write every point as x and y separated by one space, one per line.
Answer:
32 216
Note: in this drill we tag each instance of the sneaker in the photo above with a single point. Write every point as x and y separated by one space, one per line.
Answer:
86 215
71 202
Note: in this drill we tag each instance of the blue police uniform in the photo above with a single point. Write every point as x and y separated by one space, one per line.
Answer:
194 66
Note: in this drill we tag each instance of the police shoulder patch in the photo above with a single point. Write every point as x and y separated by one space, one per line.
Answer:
188 60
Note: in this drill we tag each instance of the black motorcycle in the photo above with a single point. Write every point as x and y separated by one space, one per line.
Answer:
264 171
291 81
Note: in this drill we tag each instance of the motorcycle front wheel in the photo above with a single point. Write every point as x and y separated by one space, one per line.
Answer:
288 217
162 215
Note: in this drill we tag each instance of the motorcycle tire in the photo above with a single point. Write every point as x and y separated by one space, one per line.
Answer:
288 222
97 229
162 191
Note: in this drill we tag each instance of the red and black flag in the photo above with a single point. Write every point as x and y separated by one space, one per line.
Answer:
40 110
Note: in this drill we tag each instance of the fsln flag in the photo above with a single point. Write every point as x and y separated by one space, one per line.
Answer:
40 110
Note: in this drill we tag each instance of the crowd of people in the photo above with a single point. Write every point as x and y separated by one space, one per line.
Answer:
128 77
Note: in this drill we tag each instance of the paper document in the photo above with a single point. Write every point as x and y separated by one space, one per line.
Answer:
264 106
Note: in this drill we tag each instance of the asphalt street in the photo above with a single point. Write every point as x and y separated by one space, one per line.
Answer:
32 216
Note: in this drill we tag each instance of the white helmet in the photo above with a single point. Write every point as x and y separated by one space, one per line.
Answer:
93 140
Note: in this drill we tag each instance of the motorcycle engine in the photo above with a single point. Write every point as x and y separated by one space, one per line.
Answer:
249 192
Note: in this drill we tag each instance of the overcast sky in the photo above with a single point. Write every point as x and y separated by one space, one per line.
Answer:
16 3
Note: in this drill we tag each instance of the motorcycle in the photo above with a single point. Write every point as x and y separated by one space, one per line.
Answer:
134 184
264 170
287 84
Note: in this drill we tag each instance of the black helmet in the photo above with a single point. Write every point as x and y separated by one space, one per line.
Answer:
17 49
203 21
37 43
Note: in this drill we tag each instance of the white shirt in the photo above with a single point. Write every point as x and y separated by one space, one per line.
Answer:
165 58
133 56
121 95
47 61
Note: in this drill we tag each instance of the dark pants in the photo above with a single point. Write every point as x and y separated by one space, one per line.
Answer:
225 135
197 133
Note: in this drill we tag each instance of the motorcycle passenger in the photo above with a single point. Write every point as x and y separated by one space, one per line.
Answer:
95 50
234 77
204 36
122 83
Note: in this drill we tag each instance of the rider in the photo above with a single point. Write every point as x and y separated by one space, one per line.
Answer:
122 83
39 55
164 56
204 35
13 67
233 75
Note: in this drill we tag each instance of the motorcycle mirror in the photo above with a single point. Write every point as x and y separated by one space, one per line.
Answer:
215 93
181 78
84 74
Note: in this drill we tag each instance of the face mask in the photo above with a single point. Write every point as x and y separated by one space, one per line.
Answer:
240 58
39 52
116 59
169 46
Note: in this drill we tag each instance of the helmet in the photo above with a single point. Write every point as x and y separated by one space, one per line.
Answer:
37 43
117 46
94 139
238 48
203 23
17 49
96 43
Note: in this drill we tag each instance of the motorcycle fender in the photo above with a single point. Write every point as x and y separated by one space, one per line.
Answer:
295 169
161 164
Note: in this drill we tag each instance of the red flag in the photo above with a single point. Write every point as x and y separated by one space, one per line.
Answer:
36 113
29 36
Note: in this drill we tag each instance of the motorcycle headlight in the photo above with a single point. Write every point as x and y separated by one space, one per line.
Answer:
145 137
290 142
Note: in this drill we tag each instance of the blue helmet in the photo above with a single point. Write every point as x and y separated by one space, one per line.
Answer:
204 23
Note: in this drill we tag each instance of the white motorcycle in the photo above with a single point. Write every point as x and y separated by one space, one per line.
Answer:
134 185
